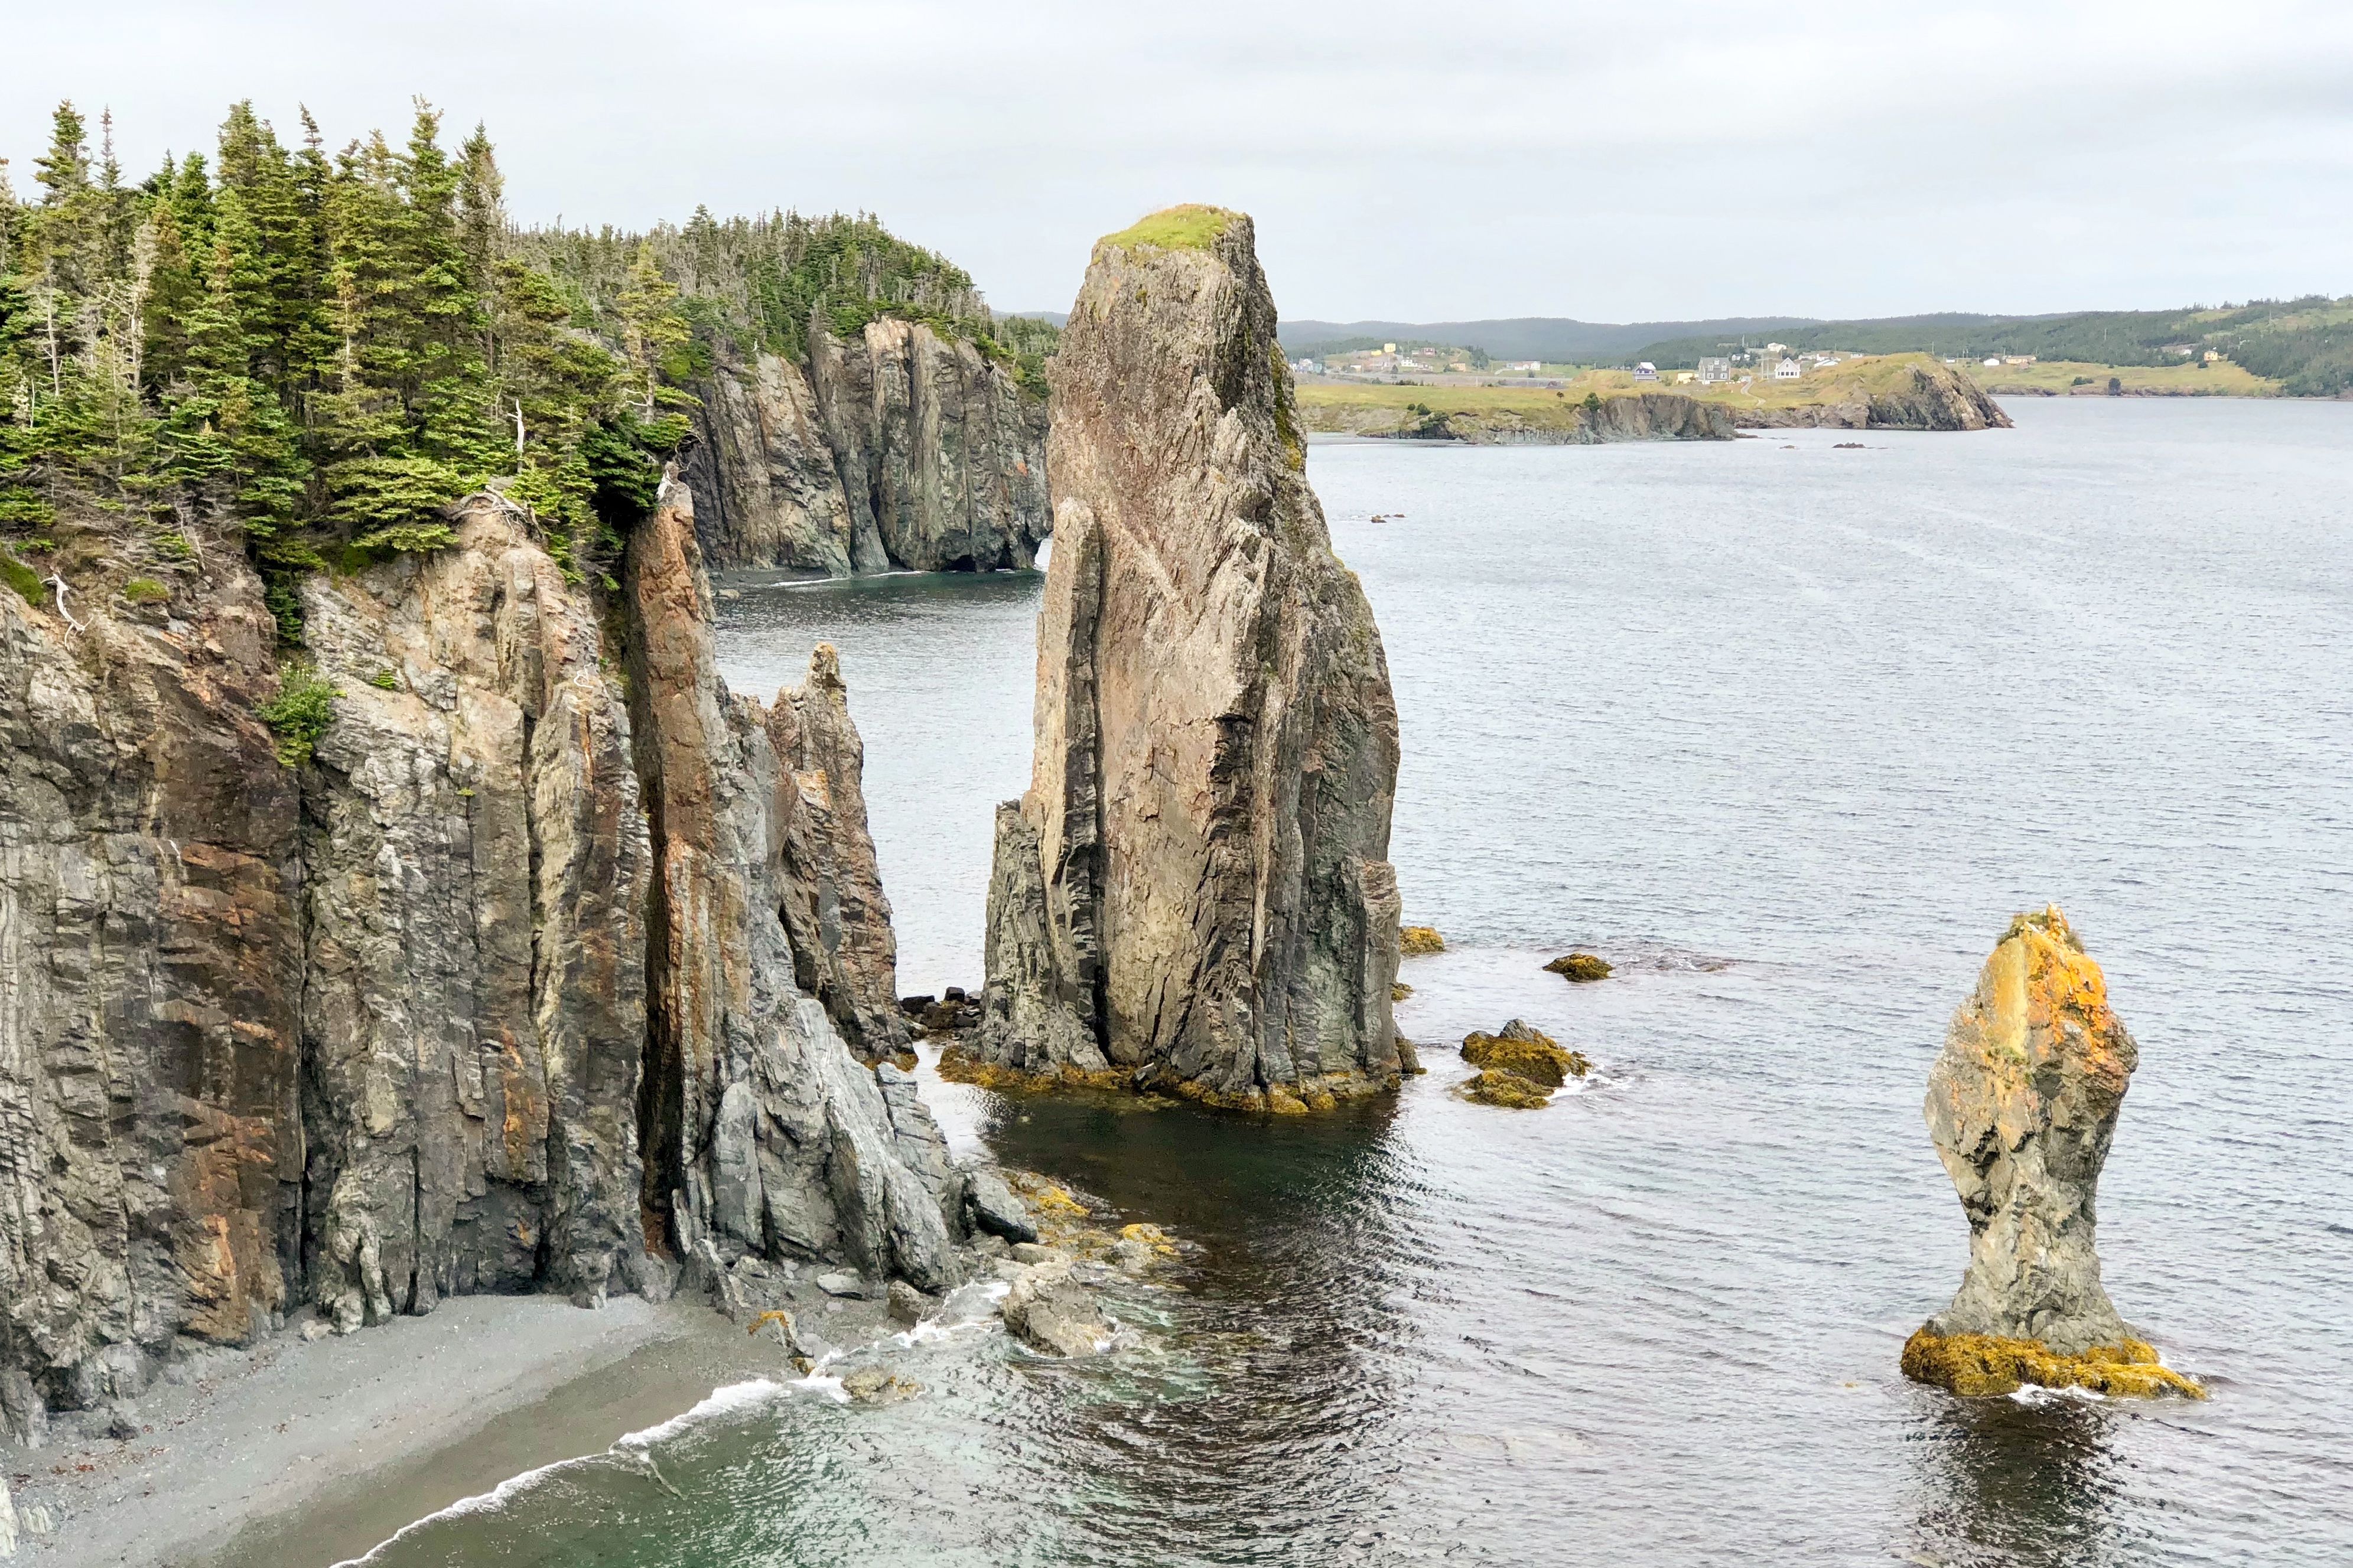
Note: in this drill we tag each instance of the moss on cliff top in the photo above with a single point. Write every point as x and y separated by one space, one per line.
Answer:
1191 227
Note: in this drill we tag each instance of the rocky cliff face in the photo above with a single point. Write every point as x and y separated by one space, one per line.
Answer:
2022 1105
895 448
1194 891
538 977
1930 396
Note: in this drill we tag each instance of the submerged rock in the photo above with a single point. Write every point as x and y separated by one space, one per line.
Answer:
2022 1104
1195 893
1579 967
1420 942
1527 1052
879 1385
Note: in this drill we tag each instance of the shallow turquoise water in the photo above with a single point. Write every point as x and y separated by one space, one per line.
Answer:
1789 733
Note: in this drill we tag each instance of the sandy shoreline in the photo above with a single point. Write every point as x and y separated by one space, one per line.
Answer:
363 1434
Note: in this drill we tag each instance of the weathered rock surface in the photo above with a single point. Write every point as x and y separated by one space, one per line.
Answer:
2022 1105
1052 1312
762 1133
996 1209
898 448
504 991
1930 396
1195 889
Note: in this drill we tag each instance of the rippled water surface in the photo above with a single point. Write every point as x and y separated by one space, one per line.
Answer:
1788 731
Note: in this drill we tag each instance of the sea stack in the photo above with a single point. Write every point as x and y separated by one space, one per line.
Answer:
2022 1104
1195 894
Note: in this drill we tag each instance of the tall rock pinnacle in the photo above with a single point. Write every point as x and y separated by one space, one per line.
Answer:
1195 892
2022 1104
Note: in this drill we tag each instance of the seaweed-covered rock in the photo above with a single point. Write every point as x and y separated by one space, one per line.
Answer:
1526 1051
1420 942
1580 968
2022 1105
1508 1089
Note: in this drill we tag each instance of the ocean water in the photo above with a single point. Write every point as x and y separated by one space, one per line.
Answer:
1788 732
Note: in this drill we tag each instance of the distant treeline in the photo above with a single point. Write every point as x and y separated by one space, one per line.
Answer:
2304 344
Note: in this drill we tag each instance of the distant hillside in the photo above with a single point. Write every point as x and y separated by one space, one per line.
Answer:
1553 339
2305 345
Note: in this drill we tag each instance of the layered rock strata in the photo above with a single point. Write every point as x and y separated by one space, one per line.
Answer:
895 448
537 977
2022 1105
1194 891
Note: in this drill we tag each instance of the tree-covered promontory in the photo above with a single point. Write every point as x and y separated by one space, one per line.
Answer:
327 348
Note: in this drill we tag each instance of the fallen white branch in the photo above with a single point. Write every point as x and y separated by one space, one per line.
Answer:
60 584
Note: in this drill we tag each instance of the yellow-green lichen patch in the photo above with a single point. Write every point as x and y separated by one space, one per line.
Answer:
1191 227
1980 1365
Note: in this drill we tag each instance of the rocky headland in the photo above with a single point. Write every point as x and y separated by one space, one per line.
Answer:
1519 419
898 448
1919 393
2022 1105
500 949
1195 894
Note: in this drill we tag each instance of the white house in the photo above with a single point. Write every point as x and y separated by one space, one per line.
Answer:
1993 358
1646 371
1787 370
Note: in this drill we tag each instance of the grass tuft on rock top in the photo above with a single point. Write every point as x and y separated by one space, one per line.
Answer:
21 577
1191 227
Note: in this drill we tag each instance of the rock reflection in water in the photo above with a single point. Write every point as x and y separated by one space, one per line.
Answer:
2006 1484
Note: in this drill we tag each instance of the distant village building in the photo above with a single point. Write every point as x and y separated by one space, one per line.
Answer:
1646 371
2213 357
1993 358
1530 365
1388 348
1306 366
1683 376
1787 370
1826 361
2029 359
1777 348
1714 369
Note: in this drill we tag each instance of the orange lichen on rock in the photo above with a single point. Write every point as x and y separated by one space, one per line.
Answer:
1979 1364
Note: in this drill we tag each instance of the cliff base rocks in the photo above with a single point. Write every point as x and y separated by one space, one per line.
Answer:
1977 1365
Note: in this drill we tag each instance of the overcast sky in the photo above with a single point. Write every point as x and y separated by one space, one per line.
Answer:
1633 161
